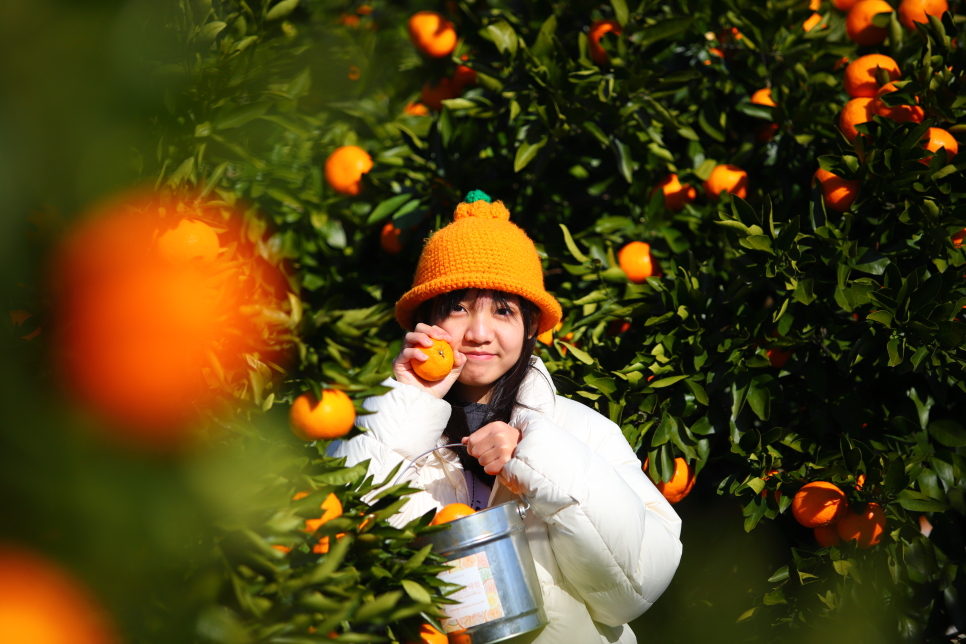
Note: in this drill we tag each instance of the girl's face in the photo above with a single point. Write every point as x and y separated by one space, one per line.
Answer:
490 334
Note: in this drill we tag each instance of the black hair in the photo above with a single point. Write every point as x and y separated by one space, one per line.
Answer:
503 396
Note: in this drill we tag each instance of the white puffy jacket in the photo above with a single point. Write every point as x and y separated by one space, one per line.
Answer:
604 540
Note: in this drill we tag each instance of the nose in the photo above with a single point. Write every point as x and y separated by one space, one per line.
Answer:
480 327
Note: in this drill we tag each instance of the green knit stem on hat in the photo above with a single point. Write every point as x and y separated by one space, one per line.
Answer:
477 195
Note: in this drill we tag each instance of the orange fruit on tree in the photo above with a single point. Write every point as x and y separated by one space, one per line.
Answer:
856 111
865 528
727 178
818 504
898 113
815 5
432 96
858 24
618 326
331 509
415 109
429 635
432 34
636 261
547 336
680 484
389 239
844 5
40 603
860 75
763 97
463 76
597 30
452 512
827 536
913 11
957 238
439 362
811 21
936 138
676 194
344 169
331 417
838 194
190 240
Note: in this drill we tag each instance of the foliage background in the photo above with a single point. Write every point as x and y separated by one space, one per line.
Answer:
105 95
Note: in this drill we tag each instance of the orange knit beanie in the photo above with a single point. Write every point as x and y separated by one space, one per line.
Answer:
480 249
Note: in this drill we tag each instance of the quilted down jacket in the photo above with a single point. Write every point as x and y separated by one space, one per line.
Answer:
604 540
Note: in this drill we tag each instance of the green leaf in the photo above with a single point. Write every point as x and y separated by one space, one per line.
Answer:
699 393
948 433
281 10
526 153
416 592
661 30
381 604
663 434
571 246
503 36
666 382
241 115
581 355
918 502
387 207
620 11
882 317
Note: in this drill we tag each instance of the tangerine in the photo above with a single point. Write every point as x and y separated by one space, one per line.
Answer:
597 30
389 239
838 194
636 261
415 109
547 336
344 169
827 536
42 604
727 178
957 238
818 504
331 509
856 111
429 635
936 138
190 240
844 5
433 96
331 417
913 11
898 113
676 194
618 326
860 75
452 512
432 34
463 76
811 21
763 97
680 484
858 24
439 363
865 528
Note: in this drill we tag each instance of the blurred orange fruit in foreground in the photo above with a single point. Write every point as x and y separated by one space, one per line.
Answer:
597 30
142 316
331 417
42 604
429 635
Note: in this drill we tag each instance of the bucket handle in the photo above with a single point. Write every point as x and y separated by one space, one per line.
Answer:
521 508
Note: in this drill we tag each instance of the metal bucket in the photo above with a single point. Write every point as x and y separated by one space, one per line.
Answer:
491 558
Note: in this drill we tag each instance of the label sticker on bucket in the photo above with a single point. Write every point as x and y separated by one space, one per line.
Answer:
479 601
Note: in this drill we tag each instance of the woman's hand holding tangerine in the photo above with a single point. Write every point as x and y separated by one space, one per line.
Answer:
423 336
493 445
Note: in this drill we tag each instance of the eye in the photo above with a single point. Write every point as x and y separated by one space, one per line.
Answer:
505 310
457 308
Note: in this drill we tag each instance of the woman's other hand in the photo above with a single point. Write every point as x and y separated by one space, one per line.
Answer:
493 445
423 336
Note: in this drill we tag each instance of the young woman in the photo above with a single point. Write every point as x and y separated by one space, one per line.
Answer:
604 540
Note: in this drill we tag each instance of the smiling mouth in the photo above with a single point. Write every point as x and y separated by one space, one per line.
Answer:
480 356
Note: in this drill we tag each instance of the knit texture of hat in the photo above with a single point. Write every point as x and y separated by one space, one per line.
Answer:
480 249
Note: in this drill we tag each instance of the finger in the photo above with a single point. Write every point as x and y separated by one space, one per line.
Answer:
418 339
459 360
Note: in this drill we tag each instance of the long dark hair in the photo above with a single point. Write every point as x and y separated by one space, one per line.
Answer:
503 397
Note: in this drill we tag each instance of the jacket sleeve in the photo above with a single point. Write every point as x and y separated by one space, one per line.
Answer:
405 422
615 538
